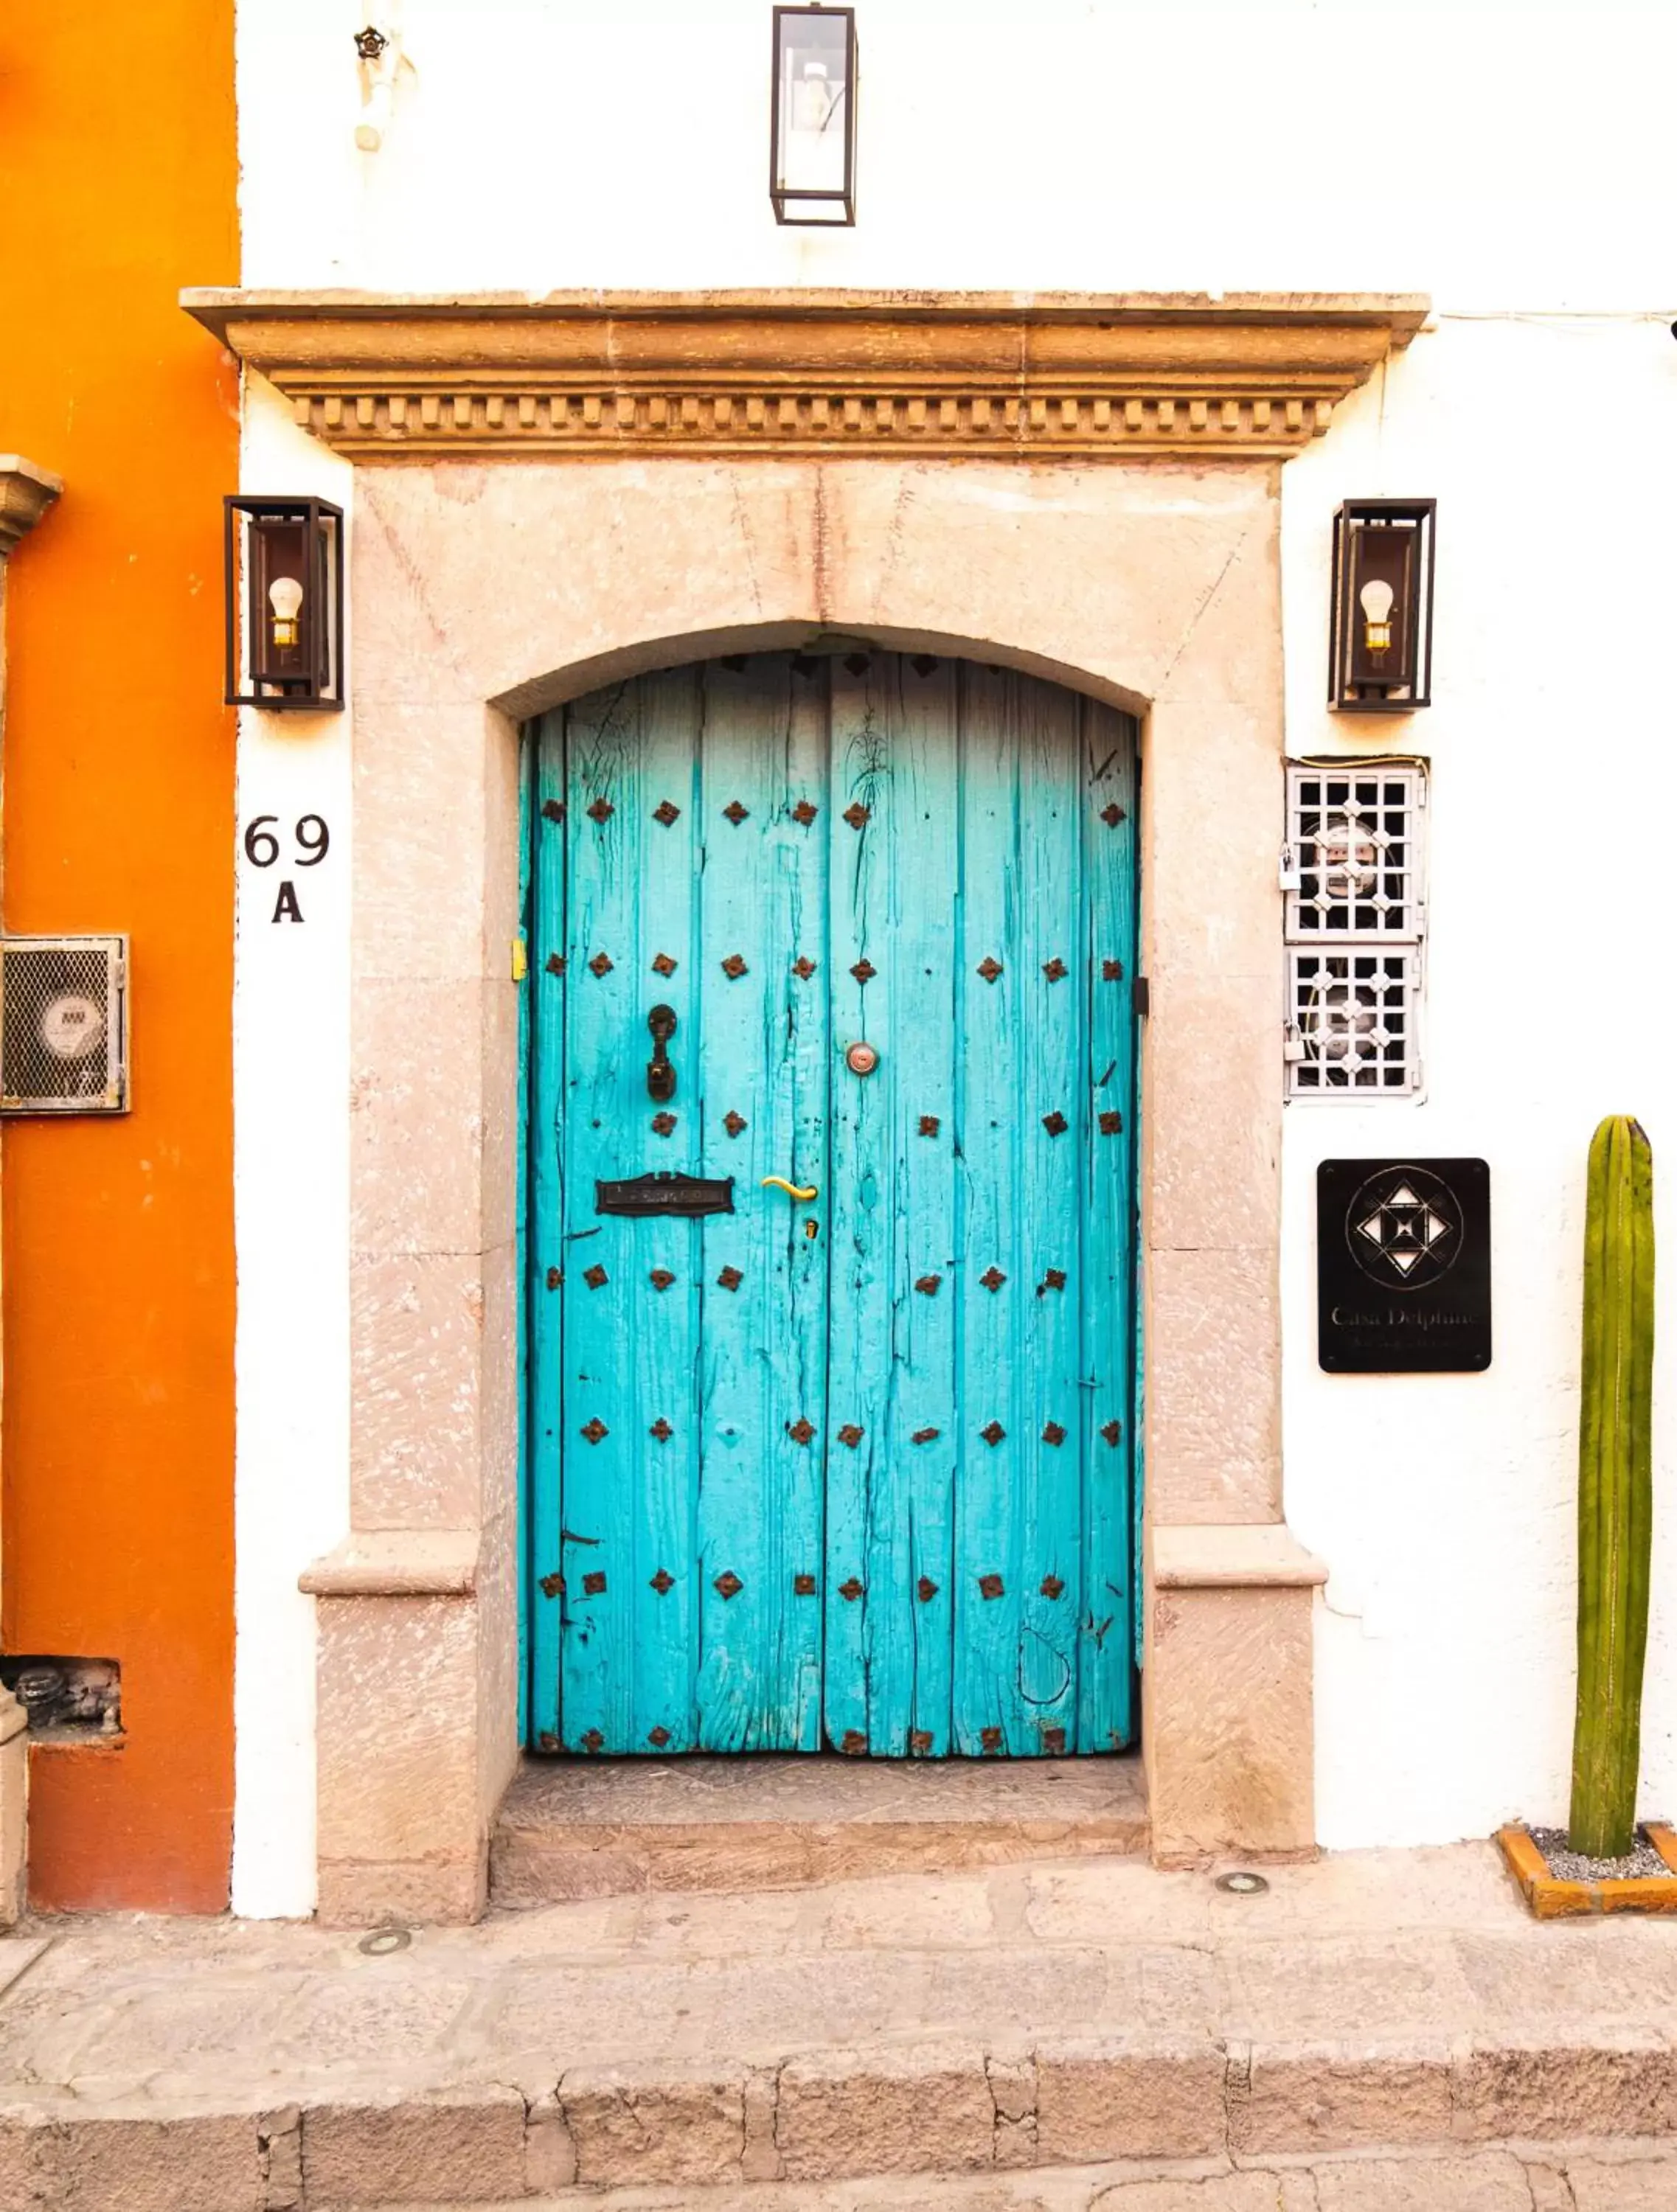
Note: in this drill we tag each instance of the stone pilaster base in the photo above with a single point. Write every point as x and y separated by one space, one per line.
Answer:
14 1807
1227 1729
415 1728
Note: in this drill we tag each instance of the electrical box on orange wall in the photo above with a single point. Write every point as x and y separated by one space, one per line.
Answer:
63 1025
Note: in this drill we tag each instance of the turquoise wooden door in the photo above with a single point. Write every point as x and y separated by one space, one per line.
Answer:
854 1469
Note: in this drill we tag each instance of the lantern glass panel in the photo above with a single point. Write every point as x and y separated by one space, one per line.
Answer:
1382 629
284 604
814 141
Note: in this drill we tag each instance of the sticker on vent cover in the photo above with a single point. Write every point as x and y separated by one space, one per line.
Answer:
72 1025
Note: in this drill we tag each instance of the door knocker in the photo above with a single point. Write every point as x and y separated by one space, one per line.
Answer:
660 1076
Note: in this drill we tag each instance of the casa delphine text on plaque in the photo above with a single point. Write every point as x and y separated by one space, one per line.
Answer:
1403 1267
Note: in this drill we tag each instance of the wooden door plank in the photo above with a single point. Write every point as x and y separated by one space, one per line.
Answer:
996 1128
631 1349
869 1658
856 813
914 1483
892 1442
762 1080
1106 1717
1043 722
544 1236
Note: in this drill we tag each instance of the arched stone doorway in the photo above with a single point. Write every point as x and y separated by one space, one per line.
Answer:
484 591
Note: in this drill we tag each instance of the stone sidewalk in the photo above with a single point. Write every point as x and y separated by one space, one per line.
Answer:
1633 2178
1378 2022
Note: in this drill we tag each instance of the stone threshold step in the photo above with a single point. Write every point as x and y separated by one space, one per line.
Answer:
574 1828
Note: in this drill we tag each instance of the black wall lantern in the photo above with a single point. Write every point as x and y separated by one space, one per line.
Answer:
1380 657
812 138
288 555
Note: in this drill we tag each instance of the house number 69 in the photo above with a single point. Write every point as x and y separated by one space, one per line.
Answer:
262 847
312 840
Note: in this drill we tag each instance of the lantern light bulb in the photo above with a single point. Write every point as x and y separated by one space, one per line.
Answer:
814 98
1377 597
285 596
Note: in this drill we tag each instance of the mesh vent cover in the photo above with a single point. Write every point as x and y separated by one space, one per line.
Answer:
1353 1019
63 1025
1354 837
1353 871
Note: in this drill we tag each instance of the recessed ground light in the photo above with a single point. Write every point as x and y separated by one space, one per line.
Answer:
1242 1883
383 1941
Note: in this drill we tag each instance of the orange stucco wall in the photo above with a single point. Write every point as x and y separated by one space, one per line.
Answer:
118 185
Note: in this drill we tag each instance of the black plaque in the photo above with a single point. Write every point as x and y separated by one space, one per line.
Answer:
661 1194
1403 1267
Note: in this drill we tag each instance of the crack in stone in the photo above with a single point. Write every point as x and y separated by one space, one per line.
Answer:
1012 2082
1195 618
279 2147
760 2157
1236 2088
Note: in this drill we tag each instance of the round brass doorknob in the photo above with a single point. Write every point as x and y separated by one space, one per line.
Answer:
861 1058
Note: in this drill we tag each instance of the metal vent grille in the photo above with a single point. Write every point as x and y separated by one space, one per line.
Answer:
1351 1030
63 1025
1353 865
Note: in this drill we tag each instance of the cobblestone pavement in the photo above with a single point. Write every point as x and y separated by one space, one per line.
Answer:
1021 2031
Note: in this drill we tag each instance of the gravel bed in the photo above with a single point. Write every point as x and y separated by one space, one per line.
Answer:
1573 1866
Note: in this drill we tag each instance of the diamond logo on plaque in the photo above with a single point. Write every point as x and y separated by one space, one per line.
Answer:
1404 1228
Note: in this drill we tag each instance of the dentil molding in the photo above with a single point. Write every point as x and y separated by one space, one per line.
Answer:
988 374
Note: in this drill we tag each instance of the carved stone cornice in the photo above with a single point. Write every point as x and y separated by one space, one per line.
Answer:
1248 376
26 493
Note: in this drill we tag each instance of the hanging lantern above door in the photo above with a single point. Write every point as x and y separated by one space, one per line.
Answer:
812 135
283 560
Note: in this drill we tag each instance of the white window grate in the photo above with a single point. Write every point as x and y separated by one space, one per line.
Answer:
1354 1019
1352 867
1353 870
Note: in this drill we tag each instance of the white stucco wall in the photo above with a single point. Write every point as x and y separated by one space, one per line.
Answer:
1517 154
1514 164
1444 1505
291 1224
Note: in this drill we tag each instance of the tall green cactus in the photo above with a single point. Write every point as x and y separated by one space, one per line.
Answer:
1615 1487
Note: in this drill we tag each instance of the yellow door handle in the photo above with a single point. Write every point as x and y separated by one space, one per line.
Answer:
791 1189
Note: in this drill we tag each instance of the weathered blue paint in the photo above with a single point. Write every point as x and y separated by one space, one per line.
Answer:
1107 1681
760 1055
854 1470
1139 1425
546 1253
526 766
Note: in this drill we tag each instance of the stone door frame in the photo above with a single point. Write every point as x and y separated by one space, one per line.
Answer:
551 496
